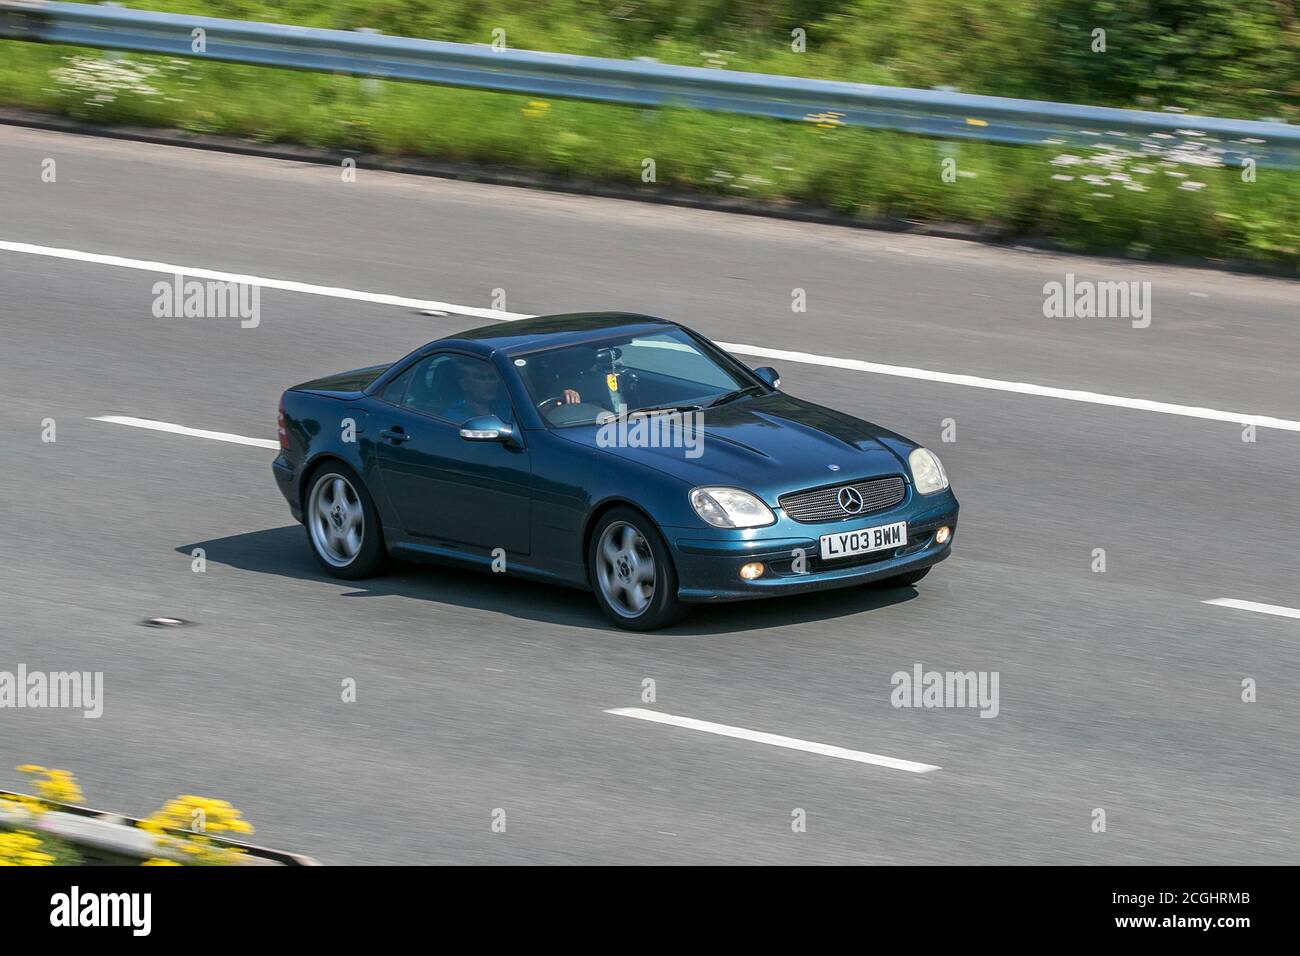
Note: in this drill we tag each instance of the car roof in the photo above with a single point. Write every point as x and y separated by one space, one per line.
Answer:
548 331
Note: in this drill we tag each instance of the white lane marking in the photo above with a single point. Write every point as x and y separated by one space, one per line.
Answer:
1274 609
146 265
1022 388
185 430
776 740
807 358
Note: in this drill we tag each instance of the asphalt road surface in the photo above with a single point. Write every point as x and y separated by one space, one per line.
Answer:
1118 690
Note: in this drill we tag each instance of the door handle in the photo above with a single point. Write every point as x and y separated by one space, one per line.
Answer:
396 434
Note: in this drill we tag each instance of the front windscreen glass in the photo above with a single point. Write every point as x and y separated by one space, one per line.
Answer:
583 384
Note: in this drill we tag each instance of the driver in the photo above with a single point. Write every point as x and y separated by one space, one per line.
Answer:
572 366
481 393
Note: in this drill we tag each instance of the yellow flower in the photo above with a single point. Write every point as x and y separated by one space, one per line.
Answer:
183 825
56 786
23 801
59 786
21 848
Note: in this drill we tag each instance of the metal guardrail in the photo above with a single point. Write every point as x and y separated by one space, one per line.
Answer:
933 113
113 839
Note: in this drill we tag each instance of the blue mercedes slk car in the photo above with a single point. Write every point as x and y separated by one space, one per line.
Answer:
614 452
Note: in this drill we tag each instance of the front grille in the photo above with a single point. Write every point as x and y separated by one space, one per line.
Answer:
823 504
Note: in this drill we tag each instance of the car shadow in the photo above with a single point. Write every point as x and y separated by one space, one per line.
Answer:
283 552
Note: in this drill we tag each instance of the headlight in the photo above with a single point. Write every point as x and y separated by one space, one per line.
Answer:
927 471
730 508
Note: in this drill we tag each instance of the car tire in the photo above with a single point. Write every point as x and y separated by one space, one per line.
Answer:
627 552
343 529
903 580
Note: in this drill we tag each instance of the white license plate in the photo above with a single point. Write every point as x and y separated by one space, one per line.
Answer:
844 544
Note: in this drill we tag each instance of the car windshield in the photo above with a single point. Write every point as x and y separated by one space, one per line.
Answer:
583 384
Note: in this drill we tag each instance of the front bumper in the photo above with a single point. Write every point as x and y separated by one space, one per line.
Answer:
708 567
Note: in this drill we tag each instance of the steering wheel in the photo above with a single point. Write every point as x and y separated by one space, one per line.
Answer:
558 400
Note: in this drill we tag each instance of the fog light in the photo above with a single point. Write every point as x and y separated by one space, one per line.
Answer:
752 570
942 535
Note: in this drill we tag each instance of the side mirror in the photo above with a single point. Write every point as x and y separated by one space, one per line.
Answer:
768 376
488 428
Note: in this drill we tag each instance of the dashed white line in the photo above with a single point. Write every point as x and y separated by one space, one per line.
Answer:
185 430
1276 610
775 740
807 358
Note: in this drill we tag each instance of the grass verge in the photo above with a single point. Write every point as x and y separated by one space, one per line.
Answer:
1097 201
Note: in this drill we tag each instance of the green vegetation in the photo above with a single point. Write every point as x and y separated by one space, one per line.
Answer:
1212 56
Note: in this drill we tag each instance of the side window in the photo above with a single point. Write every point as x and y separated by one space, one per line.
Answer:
458 388
395 390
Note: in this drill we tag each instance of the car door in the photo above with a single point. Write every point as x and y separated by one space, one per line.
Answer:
443 488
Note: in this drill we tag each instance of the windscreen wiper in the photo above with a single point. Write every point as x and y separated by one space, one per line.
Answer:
665 408
733 395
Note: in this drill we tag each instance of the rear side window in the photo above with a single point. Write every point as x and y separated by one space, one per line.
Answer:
395 389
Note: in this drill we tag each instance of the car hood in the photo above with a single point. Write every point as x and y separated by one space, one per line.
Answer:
770 445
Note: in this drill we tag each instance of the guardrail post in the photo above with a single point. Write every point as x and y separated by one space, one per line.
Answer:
369 85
